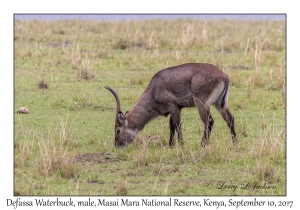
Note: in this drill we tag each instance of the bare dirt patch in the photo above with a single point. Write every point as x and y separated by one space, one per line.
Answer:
95 158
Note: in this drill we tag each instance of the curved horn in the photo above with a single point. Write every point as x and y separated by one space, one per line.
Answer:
117 99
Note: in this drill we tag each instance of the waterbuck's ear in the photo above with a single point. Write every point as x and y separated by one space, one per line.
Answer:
122 119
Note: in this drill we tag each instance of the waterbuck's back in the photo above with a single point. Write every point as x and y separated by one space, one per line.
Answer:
180 84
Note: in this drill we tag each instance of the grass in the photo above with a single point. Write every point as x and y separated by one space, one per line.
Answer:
64 146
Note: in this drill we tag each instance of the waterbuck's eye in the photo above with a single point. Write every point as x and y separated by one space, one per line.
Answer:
117 131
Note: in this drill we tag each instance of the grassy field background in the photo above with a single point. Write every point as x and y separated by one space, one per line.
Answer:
65 145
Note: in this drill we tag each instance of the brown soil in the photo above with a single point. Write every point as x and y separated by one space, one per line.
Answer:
95 158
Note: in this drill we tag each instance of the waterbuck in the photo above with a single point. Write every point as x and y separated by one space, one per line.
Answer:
170 90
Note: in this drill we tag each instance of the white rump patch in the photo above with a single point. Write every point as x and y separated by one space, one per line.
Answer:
215 95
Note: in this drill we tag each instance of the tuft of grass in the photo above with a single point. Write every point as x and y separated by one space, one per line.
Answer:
24 149
68 168
86 75
251 93
139 80
122 188
141 159
43 84
52 158
121 44
264 171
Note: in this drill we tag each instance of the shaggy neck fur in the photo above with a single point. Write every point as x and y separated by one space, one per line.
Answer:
141 114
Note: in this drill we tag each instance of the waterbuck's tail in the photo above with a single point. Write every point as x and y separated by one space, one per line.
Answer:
224 102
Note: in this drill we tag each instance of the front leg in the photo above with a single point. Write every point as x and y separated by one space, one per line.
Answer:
175 124
172 132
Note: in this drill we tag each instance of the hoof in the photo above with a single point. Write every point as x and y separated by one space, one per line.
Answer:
234 140
203 143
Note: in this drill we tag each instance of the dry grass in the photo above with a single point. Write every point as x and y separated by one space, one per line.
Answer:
126 55
24 149
86 75
53 158
122 188
264 171
142 158
68 168
139 80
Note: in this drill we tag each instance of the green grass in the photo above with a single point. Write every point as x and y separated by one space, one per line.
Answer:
65 145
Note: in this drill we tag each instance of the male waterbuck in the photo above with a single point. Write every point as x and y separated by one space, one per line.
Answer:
170 90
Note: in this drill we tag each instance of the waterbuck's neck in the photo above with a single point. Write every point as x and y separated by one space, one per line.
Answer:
142 112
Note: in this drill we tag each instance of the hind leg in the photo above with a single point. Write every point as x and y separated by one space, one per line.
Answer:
228 117
206 118
208 125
